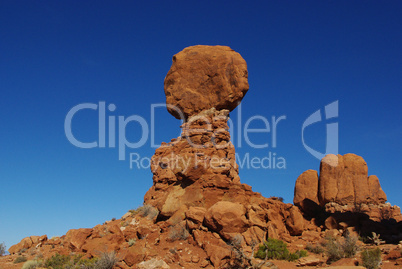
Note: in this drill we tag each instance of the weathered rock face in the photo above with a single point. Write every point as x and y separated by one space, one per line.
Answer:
197 168
375 191
28 242
343 180
306 190
343 186
347 182
204 77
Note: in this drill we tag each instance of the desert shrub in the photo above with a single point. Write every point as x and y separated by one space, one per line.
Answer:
236 240
2 249
124 223
131 242
148 211
39 256
376 239
337 250
32 264
334 250
178 232
371 258
317 249
277 249
106 260
349 246
272 249
301 253
58 261
238 258
277 198
20 259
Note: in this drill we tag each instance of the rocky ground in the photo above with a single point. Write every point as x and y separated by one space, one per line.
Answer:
198 214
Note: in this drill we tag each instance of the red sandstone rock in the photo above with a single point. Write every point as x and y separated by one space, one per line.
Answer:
394 254
306 189
76 238
343 180
203 77
226 218
356 171
24 244
295 221
376 194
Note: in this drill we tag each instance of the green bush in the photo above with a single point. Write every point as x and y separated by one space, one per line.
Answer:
31 264
371 258
277 250
20 259
86 263
301 253
57 261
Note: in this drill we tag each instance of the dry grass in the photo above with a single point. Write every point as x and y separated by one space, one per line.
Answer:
178 232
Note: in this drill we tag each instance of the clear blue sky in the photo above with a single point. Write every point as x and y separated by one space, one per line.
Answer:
301 56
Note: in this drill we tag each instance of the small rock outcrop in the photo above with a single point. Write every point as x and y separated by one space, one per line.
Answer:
306 190
348 197
343 180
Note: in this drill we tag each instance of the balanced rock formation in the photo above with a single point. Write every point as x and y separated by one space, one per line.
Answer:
197 211
195 176
196 197
205 77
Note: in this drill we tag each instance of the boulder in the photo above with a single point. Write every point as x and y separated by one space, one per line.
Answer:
356 171
203 77
153 264
306 190
331 171
376 194
295 221
226 217
75 238
23 244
